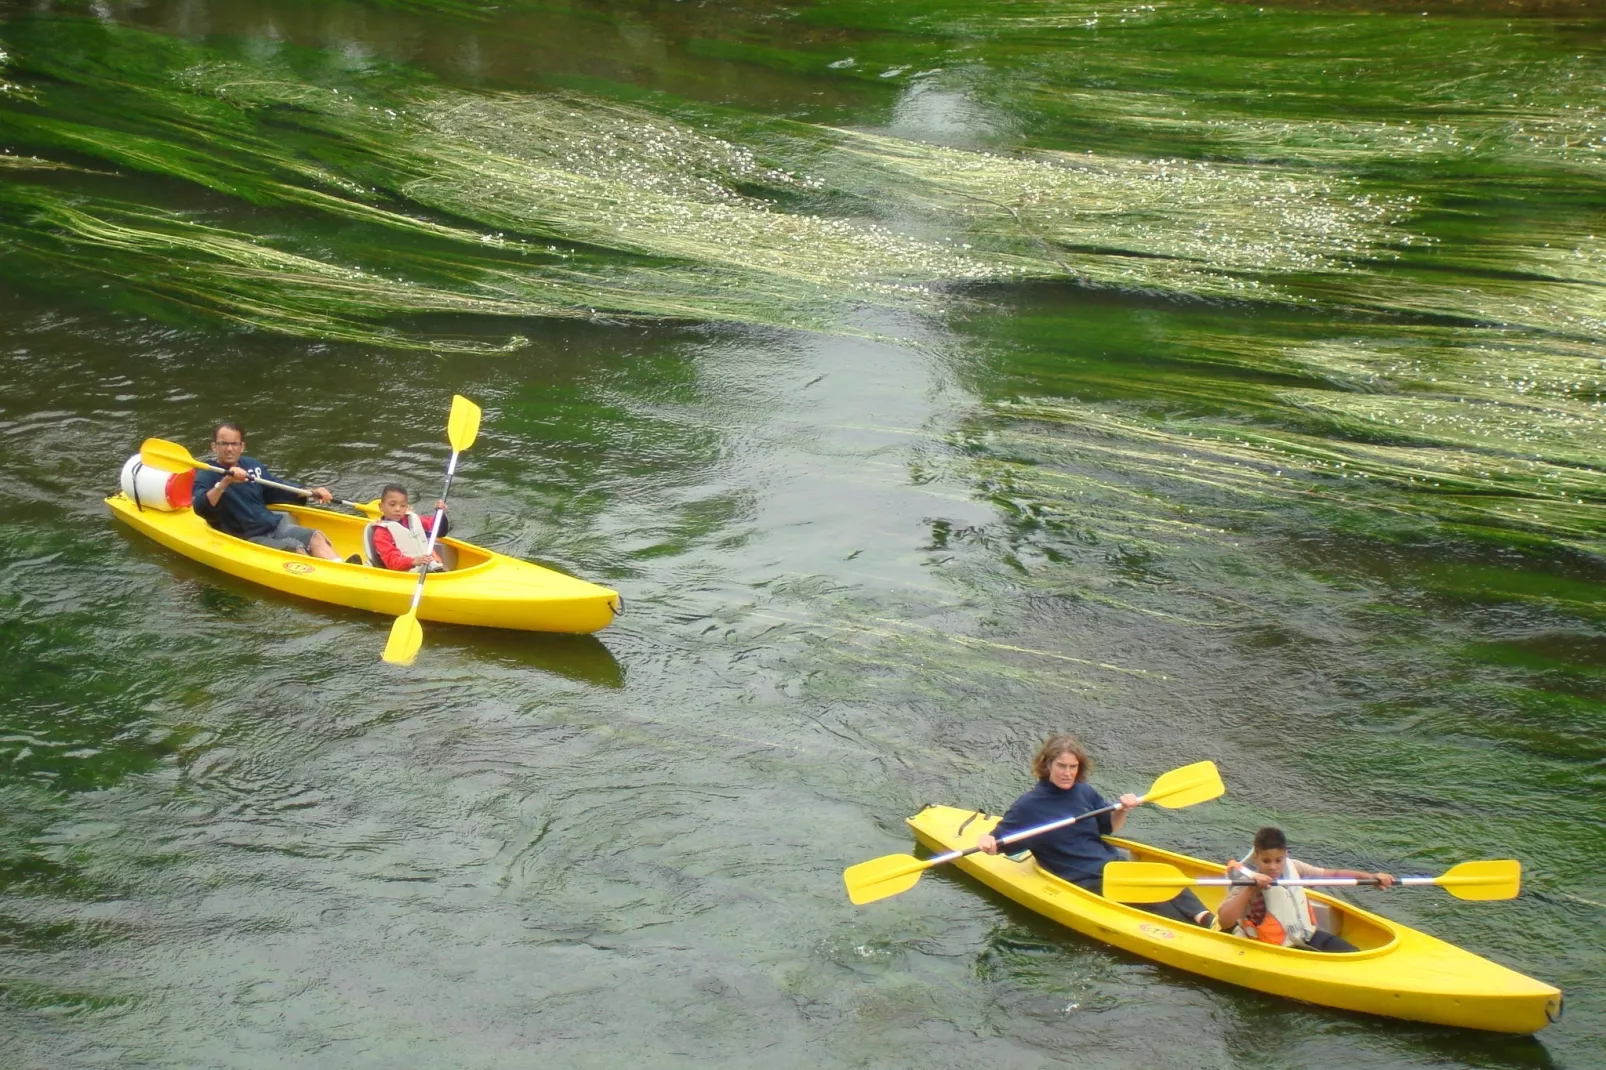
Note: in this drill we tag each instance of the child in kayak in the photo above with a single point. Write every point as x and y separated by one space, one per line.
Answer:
400 535
1281 914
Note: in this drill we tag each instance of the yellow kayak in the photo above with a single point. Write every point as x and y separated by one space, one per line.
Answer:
483 588
1397 972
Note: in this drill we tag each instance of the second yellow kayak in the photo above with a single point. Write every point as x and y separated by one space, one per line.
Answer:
1398 971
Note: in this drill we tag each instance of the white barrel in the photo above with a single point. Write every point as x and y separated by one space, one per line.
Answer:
154 488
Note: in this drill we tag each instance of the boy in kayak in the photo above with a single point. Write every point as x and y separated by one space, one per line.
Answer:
1281 914
400 535
234 502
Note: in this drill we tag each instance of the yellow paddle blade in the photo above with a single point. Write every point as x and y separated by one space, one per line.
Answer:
463 425
1482 881
406 637
168 456
368 508
1143 882
1196 783
881 878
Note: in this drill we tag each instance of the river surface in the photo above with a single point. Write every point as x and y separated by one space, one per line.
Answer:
1213 380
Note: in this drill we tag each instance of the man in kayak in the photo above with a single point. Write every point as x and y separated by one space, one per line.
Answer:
400 534
1281 914
234 502
1078 852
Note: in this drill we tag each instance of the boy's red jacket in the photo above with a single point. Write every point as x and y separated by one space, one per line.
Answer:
385 543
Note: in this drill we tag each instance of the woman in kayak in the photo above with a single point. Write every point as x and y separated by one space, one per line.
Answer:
1077 852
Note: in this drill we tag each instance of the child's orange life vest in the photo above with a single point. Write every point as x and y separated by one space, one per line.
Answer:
1279 915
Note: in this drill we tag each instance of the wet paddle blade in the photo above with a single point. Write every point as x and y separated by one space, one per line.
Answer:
406 638
1143 882
1483 881
1196 783
463 425
882 878
168 456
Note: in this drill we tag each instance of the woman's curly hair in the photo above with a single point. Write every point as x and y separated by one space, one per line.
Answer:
1056 745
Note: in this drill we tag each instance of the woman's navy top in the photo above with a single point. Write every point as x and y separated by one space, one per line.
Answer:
1076 852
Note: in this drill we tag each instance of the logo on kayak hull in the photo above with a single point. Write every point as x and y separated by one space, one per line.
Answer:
299 568
1155 930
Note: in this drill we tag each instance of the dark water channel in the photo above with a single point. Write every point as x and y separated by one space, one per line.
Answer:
1213 380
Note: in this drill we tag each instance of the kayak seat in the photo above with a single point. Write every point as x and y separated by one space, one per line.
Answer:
368 552
1326 917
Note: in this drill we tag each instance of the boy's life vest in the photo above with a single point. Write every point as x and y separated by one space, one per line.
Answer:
411 539
1278 915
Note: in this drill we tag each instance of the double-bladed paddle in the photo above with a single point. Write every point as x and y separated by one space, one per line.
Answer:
883 877
1154 882
407 635
171 457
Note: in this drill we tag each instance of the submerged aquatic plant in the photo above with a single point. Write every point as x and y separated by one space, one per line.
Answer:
1164 224
689 223
1501 439
646 187
31 163
670 220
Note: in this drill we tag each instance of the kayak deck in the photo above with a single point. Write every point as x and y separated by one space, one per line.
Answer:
483 588
1398 971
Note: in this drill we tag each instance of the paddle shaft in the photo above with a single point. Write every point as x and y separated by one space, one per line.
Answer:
434 526
1026 834
1321 882
303 491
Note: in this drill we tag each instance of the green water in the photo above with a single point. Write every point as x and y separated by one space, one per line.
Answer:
1214 380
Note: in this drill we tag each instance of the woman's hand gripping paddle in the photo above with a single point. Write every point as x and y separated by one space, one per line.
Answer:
1155 882
171 457
407 635
881 878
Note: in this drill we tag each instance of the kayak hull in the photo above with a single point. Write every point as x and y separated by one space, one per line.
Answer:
1398 972
485 589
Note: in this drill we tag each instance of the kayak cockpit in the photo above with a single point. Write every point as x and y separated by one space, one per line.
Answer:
345 535
1333 915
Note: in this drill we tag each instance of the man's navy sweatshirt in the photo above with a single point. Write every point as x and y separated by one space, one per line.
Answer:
243 508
